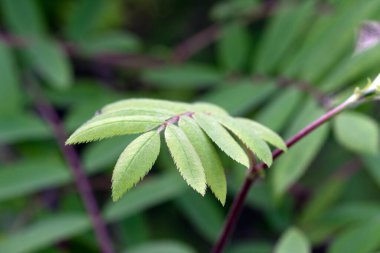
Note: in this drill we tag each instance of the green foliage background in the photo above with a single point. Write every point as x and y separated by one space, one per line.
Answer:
277 67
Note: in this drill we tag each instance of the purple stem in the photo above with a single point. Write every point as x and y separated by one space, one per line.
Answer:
253 175
81 180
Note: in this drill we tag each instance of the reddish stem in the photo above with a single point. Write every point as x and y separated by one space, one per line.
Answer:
252 176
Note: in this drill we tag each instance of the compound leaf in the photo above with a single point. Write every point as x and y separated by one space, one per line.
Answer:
135 162
186 158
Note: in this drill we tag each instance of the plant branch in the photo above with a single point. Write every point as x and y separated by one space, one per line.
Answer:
253 173
50 115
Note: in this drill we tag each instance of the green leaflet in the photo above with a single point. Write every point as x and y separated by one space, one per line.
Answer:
357 132
265 133
135 162
212 165
186 158
208 108
105 128
293 241
143 103
222 138
133 111
249 137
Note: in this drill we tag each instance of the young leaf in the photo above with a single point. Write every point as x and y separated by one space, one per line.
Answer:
135 162
222 138
133 111
265 133
357 132
208 108
148 104
249 137
293 241
209 157
105 128
186 158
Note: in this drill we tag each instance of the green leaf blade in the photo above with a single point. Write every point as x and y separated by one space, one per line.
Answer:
222 138
186 158
212 165
265 133
105 128
135 162
249 137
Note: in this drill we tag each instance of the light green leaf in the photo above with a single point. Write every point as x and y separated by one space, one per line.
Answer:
184 76
23 17
360 239
222 138
293 241
147 104
45 232
209 157
10 92
133 111
105 128
249 137
135 162
357 132
233 46
161 247
290 167
264 133
186 158
208 108
48 58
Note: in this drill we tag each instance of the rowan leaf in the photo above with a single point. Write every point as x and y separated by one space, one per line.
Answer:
135 162
186 158
212 165
222 138
249 137
265 133
144 103
105 128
